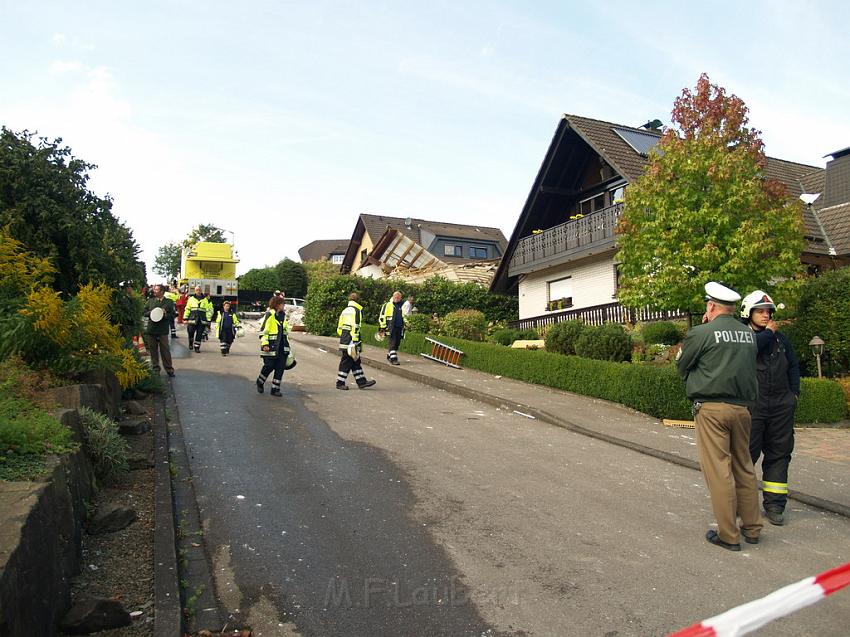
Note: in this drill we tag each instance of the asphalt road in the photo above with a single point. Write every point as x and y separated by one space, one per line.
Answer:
404 510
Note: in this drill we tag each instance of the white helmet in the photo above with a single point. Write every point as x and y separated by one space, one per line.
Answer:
756 299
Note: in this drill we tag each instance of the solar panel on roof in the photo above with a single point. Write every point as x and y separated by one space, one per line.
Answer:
641 142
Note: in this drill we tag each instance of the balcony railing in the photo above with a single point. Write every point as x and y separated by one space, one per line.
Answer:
599 315
558 244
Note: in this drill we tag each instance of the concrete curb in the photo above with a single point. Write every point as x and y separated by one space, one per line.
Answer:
539 414
168 614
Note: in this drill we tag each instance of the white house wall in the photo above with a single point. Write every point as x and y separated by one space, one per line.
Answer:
593 279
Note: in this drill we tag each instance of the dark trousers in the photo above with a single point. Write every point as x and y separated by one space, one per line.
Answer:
158 345
274 364
773 435
226 340
196 333
393 341
348 364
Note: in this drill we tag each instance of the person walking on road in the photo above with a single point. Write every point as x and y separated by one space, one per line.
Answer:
718 364
391 324
172 296
274 347
348 330
225 328
159 312
197 314
772 434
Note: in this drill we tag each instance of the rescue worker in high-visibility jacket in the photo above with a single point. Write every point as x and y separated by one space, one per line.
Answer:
348 330
225 327
274 347
198 313
391 324
172 295
772 434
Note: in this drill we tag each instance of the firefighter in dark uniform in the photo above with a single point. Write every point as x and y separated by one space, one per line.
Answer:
778 371
348 329
718 364
391 324
274 347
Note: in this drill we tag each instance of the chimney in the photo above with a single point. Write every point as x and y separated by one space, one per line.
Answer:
837 189
408 223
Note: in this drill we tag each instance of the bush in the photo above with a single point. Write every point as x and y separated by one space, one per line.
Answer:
609 342
561 337
126 312
504 337
26 428
419 323
660 333
823 310
821 400
104 445
466 324
529 334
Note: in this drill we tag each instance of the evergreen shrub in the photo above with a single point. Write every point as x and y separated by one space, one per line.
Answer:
505 336
419 323
610 342
823 310
821 400
466 324
561 337
660 333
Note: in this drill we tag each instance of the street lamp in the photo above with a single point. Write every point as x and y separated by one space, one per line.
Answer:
817 344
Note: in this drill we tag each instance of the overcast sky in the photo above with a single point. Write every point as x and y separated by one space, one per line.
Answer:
282 121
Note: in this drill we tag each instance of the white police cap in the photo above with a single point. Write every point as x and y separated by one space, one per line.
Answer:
715 291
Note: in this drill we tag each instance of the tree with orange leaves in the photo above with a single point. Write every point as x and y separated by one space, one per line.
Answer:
704 210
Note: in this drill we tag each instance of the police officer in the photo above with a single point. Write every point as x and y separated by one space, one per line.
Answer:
772 433
718 364
391 319
348 329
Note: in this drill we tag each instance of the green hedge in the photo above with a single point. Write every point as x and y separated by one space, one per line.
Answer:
326 299
821 400
651 389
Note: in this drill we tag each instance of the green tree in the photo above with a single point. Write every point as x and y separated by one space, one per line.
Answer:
167 261
263 279
45 203
204 232
704 210
320 270
292 278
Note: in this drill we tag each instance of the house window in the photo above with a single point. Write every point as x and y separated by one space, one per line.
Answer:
592 204
337 258
617 194
477 252
453 250
560 294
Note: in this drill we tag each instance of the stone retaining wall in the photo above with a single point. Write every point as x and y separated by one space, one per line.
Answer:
41 527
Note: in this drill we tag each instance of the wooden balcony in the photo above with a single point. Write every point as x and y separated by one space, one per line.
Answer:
566 242
599 315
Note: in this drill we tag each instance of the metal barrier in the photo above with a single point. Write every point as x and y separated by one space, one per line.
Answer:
442 353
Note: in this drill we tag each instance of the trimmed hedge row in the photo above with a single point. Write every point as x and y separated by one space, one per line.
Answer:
651 389
821 400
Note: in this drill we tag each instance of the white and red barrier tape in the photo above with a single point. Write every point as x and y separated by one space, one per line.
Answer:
748 617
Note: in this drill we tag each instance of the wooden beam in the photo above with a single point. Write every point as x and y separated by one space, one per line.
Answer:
552 190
